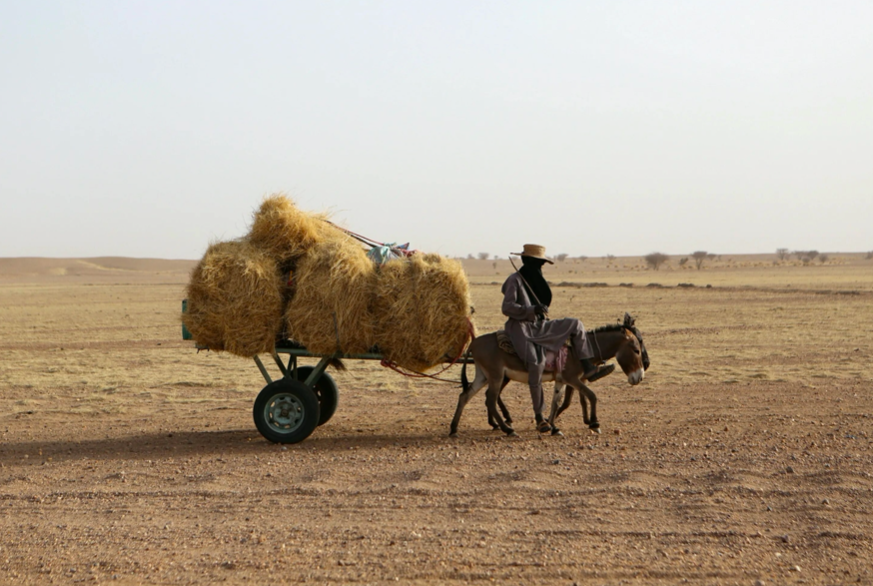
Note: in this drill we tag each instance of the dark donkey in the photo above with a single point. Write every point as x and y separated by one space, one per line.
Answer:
496 368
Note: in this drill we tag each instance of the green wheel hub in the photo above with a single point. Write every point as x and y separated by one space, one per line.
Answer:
284 413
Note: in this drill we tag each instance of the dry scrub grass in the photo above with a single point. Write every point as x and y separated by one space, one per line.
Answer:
415 310
286 232
422 307
330 311
236 299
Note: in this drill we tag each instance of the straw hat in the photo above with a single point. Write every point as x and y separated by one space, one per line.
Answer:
534 251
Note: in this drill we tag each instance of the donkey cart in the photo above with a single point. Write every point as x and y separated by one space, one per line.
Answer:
288 409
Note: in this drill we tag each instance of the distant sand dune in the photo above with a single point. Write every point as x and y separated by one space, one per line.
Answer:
842 270
24 269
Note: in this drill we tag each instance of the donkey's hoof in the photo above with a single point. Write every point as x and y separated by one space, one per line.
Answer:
508 421
495 427
511 433
594 425
595 430
558 432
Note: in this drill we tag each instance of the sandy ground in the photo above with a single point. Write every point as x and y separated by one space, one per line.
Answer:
744 458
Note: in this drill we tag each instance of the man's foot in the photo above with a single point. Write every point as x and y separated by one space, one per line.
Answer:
542 425
602 371
593 372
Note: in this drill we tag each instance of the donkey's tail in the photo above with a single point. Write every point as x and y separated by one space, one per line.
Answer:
471 335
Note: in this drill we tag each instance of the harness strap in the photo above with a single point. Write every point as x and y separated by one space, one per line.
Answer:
597 345
369 241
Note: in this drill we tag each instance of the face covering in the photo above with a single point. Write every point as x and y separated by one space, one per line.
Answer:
532 271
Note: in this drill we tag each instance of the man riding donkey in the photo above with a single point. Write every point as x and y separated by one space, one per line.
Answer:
526 300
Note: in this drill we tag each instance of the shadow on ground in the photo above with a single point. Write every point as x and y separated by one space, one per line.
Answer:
152 446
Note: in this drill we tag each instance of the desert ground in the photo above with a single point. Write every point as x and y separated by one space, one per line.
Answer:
745 456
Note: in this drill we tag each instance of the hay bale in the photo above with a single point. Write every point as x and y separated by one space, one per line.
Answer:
288 233
421 308
415 309
333 281
236 299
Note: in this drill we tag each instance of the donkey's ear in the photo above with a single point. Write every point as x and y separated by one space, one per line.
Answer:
628 320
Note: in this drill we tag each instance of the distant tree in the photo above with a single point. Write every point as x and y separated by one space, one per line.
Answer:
582 257
484 255
470 256
869 255
610 257
807 256
683 261
561 257
823 258
656 259
782 253
699 256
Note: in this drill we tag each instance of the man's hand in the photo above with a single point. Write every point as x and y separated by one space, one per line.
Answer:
542 311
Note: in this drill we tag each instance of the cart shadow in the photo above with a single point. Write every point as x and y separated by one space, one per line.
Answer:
157 446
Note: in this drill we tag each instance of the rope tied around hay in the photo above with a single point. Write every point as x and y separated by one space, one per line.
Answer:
400 250
471 335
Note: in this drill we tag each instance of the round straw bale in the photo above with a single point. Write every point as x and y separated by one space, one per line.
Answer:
330 310
236 299
421 309
287 232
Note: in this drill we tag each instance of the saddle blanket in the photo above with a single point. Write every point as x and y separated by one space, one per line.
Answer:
555 361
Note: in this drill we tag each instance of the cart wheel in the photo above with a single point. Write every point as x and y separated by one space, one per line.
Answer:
286 411
325 389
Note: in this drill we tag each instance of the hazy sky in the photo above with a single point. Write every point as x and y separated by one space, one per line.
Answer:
151 128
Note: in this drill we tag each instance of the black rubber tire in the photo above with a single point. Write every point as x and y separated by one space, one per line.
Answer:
325 389
286 411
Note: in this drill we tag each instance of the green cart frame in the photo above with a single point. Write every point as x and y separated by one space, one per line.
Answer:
289 408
